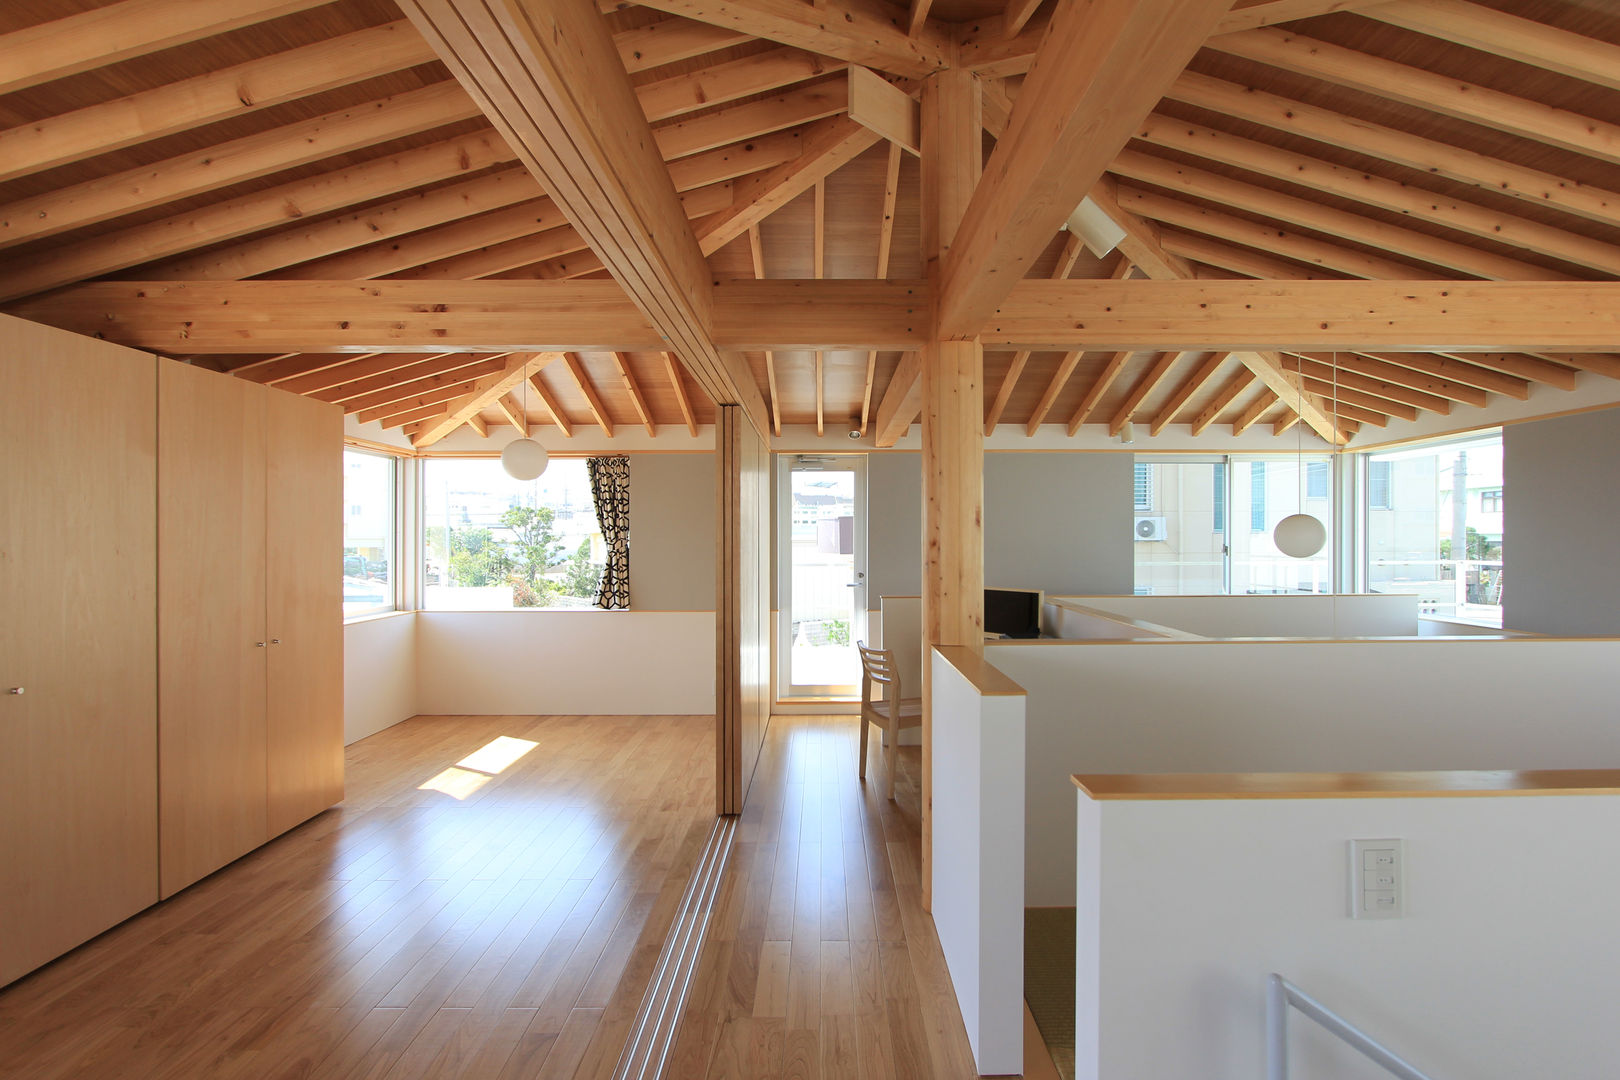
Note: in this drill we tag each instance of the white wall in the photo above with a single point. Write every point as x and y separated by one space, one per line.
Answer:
1503 967
612 663
379 674
977 862
1211 706
1347 615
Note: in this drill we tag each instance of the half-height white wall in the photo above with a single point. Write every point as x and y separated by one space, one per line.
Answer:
614 663
379 674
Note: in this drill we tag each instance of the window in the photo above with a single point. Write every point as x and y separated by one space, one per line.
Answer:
1434 526
1144 486
1180 546
1316 480
368 533
1380 492
1257 496
1220 497
494 543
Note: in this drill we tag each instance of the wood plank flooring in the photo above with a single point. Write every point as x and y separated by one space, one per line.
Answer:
820 962
493 919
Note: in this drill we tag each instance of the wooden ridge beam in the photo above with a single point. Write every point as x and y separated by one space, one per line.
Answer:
587 389
1394 239
553 406
205 99
672 368
1503 34
1149 382
525 63
1362 187
1100 68
482 394
93 201
1105 382
124 31
1400 147
858 31
1426 90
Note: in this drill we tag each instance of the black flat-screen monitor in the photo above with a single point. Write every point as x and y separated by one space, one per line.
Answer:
1014 613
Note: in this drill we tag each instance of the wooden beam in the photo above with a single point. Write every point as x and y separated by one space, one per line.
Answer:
716 84
1354 380
524 62
1142 244
1017 16
790 108
1362 187
363 373
621 363
1455 370
859 31
902 401
1270 368
1402 148
1101 67
1054 387
479 425
1184 392
866 392
1250 14
1409 243
1349 399
1597 363
412 382
821 393
776 397
1212 254
509 407
992 415
1267 237
891 193
484 393
1223 397
124 31
672 368
1284 422
1503 34
1530 368
1104 382
887 110
1426 90
829 147
582 381
756 249
553 406
1256 408
204 99
1148 383
671 39
92 201
1397 376
918 16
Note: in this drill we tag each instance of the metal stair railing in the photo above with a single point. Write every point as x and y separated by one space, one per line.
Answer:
1280 993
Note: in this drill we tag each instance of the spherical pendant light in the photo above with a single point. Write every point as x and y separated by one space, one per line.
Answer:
1300 536
524 459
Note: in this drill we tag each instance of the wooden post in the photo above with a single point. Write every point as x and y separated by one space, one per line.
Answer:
952 416
742 616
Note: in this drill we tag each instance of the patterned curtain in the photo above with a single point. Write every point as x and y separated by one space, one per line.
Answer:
610 488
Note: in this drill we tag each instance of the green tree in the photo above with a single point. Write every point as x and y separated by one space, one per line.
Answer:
476 559
535 548
583 576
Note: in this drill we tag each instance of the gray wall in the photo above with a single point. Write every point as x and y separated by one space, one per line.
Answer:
1059 522
1561 525
672 519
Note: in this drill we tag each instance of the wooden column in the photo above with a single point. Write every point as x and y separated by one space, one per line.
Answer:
952 415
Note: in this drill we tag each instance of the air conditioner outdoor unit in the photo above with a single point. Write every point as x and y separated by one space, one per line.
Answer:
1149 528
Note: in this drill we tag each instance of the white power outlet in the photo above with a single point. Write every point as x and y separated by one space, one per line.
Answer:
1377 879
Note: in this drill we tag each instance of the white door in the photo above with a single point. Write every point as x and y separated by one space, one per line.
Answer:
821 575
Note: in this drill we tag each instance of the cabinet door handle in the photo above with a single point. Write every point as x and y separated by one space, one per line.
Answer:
14 690
258 644
275 641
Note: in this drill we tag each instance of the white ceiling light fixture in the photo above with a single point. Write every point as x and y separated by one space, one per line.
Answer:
1300 535
1099 232
524 459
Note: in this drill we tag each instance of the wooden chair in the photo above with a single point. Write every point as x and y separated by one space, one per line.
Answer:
892 713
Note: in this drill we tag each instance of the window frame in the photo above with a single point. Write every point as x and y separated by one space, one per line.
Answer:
395 517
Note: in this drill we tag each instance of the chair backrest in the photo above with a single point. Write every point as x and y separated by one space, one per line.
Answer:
879 664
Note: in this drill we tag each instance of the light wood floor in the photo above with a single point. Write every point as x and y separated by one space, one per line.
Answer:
507 932
820 961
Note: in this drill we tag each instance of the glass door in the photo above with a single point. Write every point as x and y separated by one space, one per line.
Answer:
821 574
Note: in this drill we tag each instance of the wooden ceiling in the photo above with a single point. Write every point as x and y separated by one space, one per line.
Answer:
294 140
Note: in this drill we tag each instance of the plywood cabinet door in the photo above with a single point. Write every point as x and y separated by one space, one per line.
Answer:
304 589
211 621
78 618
